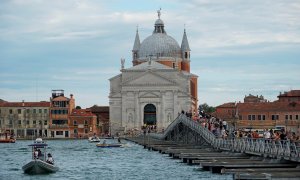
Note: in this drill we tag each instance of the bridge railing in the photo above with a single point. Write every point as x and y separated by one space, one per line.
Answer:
266 147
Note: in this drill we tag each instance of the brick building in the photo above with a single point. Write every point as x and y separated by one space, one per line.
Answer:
83 124
57 118
102 113
282 113
60 109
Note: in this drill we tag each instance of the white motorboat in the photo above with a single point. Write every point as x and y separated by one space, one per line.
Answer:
39 164
94 139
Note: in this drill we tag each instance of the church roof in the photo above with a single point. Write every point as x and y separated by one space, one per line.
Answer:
137 43
159 43
188 74
149 65
185 44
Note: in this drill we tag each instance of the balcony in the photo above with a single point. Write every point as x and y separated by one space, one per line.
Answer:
58 126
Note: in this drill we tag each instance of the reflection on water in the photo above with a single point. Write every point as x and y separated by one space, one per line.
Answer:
79 159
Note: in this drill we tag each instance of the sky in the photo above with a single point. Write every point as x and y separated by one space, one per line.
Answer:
237 47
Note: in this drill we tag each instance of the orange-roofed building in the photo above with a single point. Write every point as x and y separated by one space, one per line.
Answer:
24 119
83 124
60 109
256 113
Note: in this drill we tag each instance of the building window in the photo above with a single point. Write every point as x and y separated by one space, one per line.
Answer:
173 65
86 130
85 122
34 122
291 117
19 122
28 110
10 111
286 117
263 117
259 117
253 117
75 131
45 111
249 117
19 111
60 122
40 111
297 117
10 122
75 123
59 133
0 111
185 55
240 117
273 117
27 122
34 111
45 122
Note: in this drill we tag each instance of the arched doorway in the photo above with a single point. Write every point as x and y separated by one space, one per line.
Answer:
150 114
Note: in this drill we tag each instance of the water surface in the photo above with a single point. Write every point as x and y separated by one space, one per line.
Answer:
79 159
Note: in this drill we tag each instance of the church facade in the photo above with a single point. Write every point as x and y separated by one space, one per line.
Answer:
157 87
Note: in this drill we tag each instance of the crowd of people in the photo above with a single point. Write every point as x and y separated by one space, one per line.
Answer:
221 129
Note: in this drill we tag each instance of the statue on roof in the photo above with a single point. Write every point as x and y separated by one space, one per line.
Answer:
159 13
122 63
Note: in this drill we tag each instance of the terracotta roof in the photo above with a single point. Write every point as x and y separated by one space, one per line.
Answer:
25 104
290 93
82 112
99 109
60 98
227 105
268 106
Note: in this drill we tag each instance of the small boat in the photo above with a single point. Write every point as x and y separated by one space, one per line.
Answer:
5 138
94 139
39 164
108 145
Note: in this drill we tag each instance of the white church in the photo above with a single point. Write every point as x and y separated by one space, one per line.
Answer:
157 87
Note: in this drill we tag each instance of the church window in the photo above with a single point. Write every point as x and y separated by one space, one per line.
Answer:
173 65
185 55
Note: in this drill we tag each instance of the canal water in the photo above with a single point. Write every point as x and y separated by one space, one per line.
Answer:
79 159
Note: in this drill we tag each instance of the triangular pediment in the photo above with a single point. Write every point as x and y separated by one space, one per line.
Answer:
149 78
149 95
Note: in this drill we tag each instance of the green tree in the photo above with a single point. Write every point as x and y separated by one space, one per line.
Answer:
78 107
206 108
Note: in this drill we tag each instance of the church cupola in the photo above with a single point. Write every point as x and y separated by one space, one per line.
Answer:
185 50
159 26
136 47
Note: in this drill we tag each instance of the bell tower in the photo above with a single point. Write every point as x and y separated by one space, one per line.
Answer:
185 51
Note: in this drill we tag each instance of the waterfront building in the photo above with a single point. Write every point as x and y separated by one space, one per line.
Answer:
157 87
25 119
83 124
252 98
60 109
102 113
282 113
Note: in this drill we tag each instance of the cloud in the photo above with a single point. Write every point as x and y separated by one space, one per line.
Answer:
238 47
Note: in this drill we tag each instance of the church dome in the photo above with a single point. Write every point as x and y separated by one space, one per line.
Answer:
161 45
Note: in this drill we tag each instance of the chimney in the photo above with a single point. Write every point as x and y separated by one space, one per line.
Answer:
23 103
71 95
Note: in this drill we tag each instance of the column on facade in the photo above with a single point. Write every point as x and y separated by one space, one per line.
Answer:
158 115
175 108
162 114
123 110
137 119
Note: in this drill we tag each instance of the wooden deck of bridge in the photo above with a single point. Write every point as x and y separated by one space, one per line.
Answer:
240 165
